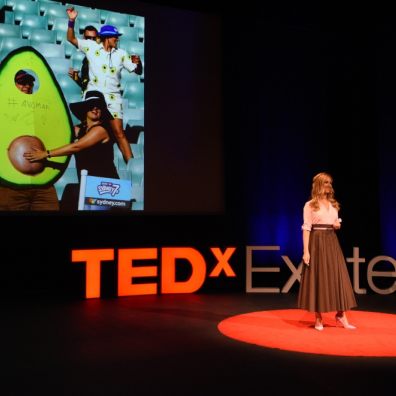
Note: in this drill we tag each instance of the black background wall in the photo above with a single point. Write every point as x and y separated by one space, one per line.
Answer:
303 90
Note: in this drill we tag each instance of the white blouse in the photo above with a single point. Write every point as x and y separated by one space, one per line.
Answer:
322 216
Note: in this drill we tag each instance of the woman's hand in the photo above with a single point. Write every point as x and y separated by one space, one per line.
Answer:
306 258
35 155
337 224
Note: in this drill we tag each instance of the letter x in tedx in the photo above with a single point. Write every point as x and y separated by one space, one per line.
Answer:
222 263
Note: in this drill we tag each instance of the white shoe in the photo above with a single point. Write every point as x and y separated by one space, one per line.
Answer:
319 326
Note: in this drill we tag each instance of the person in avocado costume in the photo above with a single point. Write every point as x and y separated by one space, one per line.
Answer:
32 198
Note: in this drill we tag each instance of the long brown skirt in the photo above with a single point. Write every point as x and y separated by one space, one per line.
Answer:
325 283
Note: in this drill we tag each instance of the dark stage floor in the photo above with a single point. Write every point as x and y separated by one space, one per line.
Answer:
169 345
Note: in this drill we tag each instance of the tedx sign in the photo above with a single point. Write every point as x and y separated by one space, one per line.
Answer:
142 271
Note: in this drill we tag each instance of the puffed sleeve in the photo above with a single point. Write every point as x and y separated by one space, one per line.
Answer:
307 217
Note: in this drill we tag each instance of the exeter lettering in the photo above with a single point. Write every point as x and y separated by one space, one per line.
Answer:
356 260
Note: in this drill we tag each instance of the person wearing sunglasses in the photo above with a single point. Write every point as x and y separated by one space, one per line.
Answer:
81 78
106 61
93 147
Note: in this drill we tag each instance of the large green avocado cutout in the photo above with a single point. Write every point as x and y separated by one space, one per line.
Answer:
40 119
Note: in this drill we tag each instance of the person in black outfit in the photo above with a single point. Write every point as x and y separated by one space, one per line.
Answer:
93 147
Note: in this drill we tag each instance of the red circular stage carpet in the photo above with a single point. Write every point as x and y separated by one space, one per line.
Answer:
292 330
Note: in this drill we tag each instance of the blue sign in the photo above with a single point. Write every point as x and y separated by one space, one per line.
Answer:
101 193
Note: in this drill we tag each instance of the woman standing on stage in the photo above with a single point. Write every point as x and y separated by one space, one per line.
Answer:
325 284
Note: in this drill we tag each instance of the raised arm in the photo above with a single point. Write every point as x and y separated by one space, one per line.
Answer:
71 37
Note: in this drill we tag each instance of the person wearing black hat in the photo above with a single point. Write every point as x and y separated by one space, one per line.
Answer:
106 62
24 81
93 148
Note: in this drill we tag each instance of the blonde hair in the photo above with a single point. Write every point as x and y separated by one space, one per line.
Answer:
317 191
